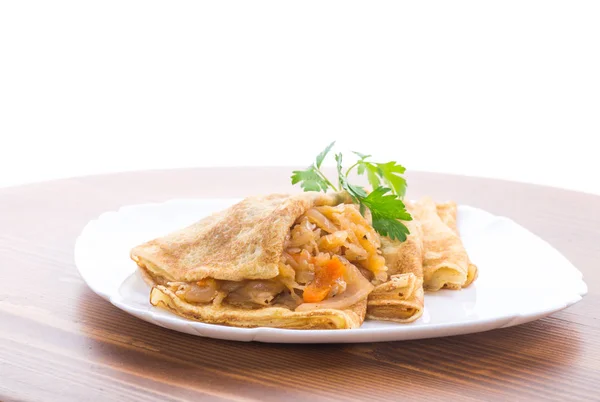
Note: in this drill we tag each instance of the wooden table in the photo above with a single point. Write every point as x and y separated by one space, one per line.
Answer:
59 341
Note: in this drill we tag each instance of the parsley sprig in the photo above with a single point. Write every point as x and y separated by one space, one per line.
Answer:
384 202
312 179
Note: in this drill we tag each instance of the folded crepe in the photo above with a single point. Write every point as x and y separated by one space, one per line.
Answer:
401 298
302 261
445 260
447 211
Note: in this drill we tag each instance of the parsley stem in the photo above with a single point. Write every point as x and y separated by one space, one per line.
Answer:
325 179
350 168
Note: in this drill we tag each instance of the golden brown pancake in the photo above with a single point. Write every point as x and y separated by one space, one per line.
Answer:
447 212
445 260
401 298
301 261
276 317
244 241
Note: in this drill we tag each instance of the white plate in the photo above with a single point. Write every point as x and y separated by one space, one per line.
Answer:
521 278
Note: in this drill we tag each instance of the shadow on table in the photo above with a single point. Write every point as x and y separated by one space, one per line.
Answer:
532 355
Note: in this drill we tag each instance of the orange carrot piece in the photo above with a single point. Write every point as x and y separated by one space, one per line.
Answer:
325 277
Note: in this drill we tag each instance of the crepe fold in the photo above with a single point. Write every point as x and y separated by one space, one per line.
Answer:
242 244
275 317
401 298
445 260
244 241
447 211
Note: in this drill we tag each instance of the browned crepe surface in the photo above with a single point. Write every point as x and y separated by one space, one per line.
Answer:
245 241
447 212
445 260
276 317
401 298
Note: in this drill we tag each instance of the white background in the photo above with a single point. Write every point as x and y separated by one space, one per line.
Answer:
505 89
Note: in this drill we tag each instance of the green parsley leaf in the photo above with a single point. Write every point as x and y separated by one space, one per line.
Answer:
361 162
387 204
384 203
361 156
391 228
387 210
309 180
391 174
372 174
356 192
323 154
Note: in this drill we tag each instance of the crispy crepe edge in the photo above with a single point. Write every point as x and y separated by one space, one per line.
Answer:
273 317
434 261
448 213
405 265
402 291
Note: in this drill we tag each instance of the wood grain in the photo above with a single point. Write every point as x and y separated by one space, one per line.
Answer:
59 341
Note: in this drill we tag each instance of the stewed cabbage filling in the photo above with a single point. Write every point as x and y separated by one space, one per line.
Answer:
331 259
